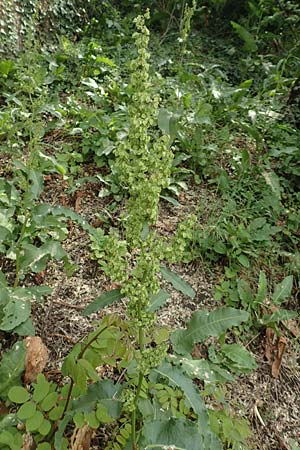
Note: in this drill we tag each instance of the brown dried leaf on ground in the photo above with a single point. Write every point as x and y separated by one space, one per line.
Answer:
281 345
269 347
36 358
292 326
81 438
28 442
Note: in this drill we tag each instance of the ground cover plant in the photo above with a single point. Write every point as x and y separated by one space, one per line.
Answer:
141 150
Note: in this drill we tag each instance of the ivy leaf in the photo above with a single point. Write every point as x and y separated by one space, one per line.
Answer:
11 368
104 300
204 324
283 290
178 283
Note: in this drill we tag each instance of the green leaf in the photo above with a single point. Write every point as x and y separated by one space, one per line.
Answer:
41 388
204 370
9 440
26 411
158 300
279 316
242 358
244 260
262 290
14 313
34 423
45 427
18 394
44 446
192 394
49 401
11 368
102 414
204 324
25 329
272 180
283 290
245 292
177 282
249 41
104 300
167 122
175 433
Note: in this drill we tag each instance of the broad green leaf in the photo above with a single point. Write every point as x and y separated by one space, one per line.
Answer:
3 281
12 366
18 394
191 392
283 290
25 329
176 434
241 357
104 300
27 410
204 324
158 300
104 391
14 313
204 370
178 283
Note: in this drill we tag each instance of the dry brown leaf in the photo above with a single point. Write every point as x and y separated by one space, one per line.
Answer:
28 442
36 358
281 345
81 438
269 346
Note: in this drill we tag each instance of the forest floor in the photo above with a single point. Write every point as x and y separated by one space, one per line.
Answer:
271 405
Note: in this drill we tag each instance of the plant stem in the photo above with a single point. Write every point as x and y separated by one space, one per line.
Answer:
18 251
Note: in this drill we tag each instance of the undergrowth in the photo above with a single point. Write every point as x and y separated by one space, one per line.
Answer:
152 127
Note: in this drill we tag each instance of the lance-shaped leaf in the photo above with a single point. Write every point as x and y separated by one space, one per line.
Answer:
283 290
178 283
105 299
204 324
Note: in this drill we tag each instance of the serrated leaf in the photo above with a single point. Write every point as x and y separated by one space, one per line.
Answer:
283 290
104 300
11 368
204 324
18 394
158 300
177 282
